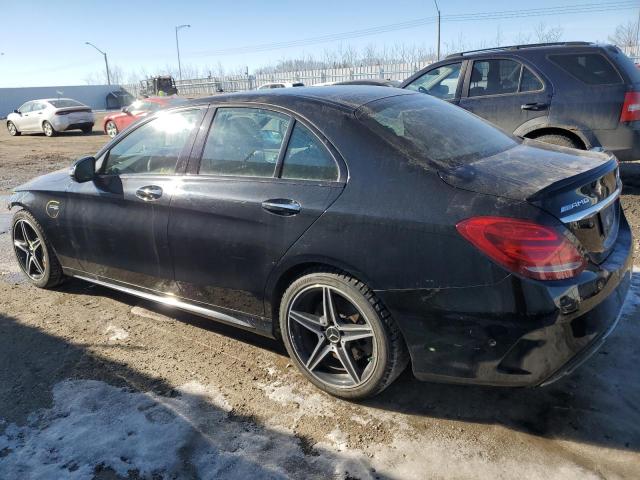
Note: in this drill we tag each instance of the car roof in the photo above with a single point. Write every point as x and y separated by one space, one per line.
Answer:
554 46
347 97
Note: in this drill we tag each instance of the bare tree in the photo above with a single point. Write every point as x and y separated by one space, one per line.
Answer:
545 34
522 38
626 37
99 77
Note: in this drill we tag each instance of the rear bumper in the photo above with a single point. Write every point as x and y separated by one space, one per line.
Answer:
623 142
516 332
63 122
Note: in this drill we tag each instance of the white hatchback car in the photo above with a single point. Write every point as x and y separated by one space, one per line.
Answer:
268 86
51 115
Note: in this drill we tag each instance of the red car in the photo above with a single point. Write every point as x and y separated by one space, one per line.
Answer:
116 122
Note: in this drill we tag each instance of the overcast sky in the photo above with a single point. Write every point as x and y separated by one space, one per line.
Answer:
43 42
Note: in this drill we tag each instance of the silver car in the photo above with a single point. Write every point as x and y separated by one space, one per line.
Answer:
51 115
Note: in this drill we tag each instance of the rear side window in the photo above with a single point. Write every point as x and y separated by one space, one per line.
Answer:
529 82
307 158
494 77
431 131
591 68
244 142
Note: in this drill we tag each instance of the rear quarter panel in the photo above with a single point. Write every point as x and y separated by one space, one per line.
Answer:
576 103
393 227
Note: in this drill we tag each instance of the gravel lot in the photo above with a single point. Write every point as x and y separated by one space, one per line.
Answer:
97 384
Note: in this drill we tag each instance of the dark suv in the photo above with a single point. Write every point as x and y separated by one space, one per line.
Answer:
576 94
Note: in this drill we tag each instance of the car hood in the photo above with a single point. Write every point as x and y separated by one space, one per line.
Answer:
52 182
523 171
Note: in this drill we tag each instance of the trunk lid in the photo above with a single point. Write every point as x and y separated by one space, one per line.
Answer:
579 188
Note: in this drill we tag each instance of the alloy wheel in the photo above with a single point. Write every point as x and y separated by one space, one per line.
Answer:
332 337
112 130
29 250
12 128
48 129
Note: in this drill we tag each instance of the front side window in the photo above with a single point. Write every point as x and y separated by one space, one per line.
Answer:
153 147
26 107
591 68
244 142
307 158
440 82
494 77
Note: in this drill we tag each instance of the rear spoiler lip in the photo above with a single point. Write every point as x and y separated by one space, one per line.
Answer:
580 179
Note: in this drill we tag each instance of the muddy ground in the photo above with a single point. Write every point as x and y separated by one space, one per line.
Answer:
98 384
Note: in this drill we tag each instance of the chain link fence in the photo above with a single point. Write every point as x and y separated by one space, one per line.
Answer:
236 83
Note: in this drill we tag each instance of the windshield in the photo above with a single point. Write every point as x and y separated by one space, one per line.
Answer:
428 129
65 102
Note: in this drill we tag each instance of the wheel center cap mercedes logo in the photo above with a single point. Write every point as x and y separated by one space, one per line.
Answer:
332 334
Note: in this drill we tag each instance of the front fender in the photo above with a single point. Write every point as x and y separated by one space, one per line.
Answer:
18 199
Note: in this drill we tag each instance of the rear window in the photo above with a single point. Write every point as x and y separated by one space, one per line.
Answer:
428 129
624 64
591 68
64 103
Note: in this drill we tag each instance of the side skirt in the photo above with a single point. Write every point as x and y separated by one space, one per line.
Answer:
258 325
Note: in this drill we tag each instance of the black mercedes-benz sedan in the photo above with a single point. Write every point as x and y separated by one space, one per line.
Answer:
367 227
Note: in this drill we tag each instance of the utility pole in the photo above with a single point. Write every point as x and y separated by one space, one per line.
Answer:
106 63
179 27
637 35
438 10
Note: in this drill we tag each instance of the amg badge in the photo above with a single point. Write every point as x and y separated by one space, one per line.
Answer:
571 206
53 208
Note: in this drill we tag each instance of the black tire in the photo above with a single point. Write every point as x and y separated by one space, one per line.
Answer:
87 130
48 129
111 129
52 270
561 140
391 355
13 130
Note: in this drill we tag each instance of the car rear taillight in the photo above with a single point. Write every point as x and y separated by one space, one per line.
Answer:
631 107
63 113
524 247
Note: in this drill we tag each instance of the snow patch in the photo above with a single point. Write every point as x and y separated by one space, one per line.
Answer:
116 334
94 424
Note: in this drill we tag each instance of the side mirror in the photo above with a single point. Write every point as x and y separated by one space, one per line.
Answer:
17 111
84 170
126 110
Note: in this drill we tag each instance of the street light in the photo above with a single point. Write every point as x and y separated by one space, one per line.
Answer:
106 63
179 27
438 10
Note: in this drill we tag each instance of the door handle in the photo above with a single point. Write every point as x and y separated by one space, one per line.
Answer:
533 106
149 193
281 206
